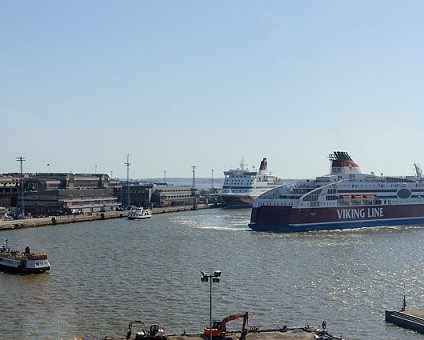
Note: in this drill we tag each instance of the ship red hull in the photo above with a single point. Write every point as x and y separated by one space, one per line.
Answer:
288 219
238 201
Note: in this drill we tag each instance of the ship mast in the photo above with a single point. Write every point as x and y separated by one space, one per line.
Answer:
242 164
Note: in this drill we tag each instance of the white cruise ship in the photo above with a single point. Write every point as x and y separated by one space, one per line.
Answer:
242 186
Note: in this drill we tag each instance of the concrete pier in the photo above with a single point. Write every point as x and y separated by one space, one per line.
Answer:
301 333
53 220
409 318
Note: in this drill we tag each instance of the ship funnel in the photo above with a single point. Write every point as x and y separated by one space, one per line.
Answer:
342 163
264 165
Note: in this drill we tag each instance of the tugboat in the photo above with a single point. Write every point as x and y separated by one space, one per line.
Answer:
15 261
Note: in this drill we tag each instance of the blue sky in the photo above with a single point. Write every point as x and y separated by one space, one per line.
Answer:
207 83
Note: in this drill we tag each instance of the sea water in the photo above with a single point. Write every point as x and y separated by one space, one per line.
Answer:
105 274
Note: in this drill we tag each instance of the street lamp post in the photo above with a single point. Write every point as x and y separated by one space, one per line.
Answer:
21 159
211 278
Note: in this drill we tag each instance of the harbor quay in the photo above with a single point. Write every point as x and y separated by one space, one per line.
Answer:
98 216
290 335
407 318
295 333
59 194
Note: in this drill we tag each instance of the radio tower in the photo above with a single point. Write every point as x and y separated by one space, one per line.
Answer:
128 164
21 159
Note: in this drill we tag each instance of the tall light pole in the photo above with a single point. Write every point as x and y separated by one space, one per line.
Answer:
128 164
211 278
21 159
194 175
194 188
212 179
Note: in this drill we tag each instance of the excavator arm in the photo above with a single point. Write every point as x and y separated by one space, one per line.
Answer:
245 317
220 330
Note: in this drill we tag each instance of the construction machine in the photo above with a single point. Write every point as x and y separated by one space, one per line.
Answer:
219 329
154 332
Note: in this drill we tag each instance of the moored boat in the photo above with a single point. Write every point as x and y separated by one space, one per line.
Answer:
137 213
346 198
242 185
25 262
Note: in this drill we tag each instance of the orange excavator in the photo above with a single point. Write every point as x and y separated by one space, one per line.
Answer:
218 327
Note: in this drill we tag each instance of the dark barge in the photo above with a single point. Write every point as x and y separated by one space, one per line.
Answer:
412 319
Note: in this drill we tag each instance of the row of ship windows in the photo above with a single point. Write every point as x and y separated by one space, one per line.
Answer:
83 196
365 203
375 185
315 204
174 197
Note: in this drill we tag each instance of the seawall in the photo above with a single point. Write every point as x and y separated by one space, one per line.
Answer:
53 220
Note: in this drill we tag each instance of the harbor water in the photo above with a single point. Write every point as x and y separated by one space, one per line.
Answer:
105 274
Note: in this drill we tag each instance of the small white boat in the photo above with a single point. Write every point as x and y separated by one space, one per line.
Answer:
139 213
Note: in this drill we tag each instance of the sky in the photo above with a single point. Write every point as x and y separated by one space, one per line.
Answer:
181 83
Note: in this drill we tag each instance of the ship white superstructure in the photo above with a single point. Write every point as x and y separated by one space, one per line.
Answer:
243 185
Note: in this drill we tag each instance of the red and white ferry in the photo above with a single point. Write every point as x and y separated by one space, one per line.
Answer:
346 198
242 185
